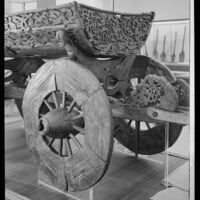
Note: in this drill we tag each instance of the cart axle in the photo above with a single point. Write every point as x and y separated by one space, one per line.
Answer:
58 123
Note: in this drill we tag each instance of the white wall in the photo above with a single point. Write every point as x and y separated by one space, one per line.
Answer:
164 9
46 3
7 8
103 4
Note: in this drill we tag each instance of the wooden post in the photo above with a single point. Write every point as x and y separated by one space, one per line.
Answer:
166 161
137 126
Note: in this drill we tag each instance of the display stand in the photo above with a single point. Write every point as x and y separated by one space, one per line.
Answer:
166 158
166 154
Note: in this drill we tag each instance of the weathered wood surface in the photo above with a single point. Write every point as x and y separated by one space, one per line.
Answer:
86 166
112 73
144 65
154 91
21 68
150 114
179 117
48 52
151 140
12 92
115 34
24 65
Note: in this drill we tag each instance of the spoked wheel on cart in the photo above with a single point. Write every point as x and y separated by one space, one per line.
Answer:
140 136
68 133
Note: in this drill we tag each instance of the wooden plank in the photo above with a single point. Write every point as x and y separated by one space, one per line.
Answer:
12 92
166 116
149 114
46 52
137 114
10 195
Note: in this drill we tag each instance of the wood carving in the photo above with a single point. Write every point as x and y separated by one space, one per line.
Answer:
149 140
71 138
98 32
67 116
154 91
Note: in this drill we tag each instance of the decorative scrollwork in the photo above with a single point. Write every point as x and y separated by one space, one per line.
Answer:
154 91
41 18
98 32
116 34
31 38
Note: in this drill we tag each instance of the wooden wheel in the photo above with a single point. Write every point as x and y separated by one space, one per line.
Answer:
142 137
68 125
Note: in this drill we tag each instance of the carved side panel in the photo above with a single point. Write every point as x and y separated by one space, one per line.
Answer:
98 32
113 34
41 18
31 38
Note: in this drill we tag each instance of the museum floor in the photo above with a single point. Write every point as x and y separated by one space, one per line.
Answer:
127 178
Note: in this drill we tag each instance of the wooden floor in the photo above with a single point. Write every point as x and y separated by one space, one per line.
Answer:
126 179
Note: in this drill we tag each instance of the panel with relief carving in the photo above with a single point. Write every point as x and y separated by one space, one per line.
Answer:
97 32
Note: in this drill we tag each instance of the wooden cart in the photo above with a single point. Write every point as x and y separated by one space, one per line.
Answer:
76 103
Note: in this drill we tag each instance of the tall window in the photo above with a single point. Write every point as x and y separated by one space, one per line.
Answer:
16 7
30 5
59 2
94 3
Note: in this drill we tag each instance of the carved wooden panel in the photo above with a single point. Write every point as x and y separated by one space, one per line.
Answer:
41 18
98 32
116 33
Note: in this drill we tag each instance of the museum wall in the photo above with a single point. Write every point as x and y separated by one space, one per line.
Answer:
174 16
165 9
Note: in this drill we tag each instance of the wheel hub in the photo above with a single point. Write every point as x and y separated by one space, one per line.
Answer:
58 123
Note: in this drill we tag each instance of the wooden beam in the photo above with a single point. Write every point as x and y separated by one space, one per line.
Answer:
12 92
150 114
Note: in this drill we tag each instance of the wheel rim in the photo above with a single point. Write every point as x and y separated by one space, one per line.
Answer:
151 140
86 163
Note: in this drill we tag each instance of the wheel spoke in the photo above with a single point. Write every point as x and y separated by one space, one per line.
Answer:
41 115
80 129
78 110
137 126
60 147
50 144
65 152
48 105
71 106
69 150
63 99
148 126
78 116
55 99
75 141
129 123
